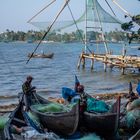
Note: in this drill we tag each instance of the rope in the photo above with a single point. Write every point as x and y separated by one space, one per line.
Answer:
77 27
110 7
49 28
40 11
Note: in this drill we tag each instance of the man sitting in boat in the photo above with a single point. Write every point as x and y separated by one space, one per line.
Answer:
28 90
72 96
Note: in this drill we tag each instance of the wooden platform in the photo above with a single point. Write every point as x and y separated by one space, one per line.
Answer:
120 61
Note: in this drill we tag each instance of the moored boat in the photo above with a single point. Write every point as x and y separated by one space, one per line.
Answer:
18 120
41 55
64 123
103 123
20 127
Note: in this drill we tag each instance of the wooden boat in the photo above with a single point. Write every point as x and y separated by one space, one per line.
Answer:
16 118
41 55
20 119
103 123
64 123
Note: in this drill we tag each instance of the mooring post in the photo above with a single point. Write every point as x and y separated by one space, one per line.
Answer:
79 62
123 56
123 69
105 63
92 61
83 62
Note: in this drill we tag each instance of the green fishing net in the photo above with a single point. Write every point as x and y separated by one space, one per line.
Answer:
53 107
96 106
135 104
95 13
3 120
131 117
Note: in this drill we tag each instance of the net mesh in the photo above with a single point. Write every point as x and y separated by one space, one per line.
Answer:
95 13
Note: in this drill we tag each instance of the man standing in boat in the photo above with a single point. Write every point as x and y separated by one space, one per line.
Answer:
28 90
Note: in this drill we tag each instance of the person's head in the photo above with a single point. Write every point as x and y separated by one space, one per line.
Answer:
29 79
80 88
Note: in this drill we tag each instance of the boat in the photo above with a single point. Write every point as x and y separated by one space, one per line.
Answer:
41 55
103 123
64 123
17 118
20 119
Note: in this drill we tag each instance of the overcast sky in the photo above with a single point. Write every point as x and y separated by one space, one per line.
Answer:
14 14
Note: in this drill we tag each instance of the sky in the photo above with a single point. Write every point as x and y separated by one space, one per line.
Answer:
14 14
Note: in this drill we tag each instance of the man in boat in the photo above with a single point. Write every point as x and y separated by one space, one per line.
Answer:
72 96
82 97
28 91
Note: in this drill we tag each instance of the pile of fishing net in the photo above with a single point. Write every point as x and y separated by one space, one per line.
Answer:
99 106
133 114
53 107
3 120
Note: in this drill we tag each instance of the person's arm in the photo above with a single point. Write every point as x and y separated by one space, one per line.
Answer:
26 89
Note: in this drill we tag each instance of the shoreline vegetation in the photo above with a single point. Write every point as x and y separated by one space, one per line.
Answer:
54 36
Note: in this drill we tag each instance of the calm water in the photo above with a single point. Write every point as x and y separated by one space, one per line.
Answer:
50 75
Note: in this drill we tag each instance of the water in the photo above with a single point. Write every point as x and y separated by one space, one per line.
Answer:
50 75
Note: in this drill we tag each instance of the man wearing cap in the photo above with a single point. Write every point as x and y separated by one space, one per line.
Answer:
28 90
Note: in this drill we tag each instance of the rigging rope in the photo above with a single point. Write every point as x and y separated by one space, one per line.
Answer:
110 7
49 28
77 27
40 11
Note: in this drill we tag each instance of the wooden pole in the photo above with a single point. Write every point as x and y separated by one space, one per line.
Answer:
92 61
79 62
123 55
83 62
105 63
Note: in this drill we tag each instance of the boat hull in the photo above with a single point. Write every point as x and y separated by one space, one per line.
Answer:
15 118
103 123
64 123
41 55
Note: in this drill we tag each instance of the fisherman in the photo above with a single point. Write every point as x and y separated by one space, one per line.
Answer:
72 96
82 96
28 91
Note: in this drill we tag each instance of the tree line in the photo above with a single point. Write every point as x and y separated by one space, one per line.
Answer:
32 36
